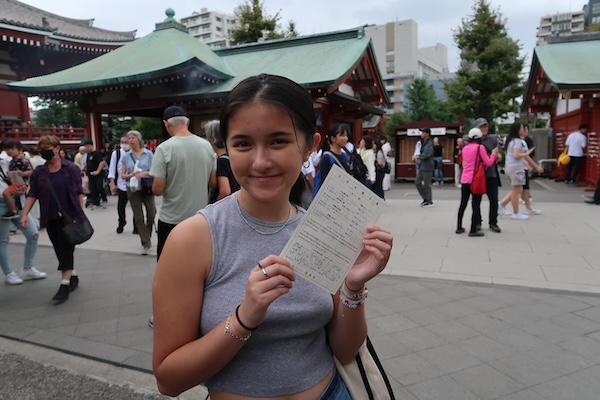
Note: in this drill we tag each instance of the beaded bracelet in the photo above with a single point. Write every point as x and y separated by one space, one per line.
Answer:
353 296
353 300
231 331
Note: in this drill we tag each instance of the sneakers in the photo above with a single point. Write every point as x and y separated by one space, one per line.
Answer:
592 201
104 205
533 212
502 210
495 228
13 279
10 215
476 234
32 273
62 294
423 203
151 322
460 230
120 227
73 282
146 250
427 205
519 216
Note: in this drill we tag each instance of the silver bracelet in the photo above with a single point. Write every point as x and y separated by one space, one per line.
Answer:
231 331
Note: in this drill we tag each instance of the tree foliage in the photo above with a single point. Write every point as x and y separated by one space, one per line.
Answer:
489 79
57 113
397 118
593 28
253 24
150 128
424 104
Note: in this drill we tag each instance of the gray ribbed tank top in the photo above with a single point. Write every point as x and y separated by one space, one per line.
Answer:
288 353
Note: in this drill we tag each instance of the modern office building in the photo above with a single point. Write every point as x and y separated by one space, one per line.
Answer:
401 61
210 27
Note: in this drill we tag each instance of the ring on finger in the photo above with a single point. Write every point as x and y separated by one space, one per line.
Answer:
264 271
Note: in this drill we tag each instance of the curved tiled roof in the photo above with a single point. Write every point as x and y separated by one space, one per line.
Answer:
20 14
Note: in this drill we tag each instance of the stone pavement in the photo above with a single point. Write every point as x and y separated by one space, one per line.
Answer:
508 316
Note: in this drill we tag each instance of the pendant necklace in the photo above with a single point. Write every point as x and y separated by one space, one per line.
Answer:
256 230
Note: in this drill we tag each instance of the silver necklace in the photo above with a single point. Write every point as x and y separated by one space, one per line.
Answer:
237 203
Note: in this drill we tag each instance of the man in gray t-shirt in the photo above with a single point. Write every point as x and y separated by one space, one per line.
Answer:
491 174
183 167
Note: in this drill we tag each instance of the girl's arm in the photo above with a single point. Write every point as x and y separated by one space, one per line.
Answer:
181 359
487 160
347 329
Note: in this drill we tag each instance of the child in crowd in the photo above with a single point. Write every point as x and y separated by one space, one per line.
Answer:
21 165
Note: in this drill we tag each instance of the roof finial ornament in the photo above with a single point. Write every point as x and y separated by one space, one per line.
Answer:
170 13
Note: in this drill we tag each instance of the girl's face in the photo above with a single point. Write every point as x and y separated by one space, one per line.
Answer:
340 140
265 151
361 144
522 131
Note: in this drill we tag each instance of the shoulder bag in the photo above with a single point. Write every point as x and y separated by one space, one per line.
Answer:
365 376
564 158
478 186
75 231
146 182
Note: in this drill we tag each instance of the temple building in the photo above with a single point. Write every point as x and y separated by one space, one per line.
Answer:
169 66
34 42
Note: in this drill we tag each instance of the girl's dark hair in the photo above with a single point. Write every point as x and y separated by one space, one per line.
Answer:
281 92
377 146
336 129
513 133
368 142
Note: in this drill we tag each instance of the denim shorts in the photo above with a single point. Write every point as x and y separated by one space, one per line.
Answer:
336 390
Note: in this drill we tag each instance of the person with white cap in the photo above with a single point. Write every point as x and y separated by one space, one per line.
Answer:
473 154
492 180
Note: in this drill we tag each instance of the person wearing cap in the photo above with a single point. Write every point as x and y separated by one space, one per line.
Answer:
94 167
492 180
184 167
473 154
426 167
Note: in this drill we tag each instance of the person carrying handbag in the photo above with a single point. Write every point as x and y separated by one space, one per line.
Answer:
472 155
65 179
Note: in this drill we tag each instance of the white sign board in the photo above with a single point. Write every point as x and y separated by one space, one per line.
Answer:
434 132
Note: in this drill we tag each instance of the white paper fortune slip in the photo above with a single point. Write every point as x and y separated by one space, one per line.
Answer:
329 238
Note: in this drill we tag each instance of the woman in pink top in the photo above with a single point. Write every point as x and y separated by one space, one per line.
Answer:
472 155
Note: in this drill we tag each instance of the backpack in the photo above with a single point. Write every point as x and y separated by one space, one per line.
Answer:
358 169
318 181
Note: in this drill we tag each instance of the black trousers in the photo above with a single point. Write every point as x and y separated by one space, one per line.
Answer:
97 188
121 206
573 168
163 233
475 205
64 251
491 187
597 192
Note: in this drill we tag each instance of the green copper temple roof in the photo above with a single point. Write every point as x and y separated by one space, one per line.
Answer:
314 60
153 55
571 65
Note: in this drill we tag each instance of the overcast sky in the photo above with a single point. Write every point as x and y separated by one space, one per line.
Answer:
437 19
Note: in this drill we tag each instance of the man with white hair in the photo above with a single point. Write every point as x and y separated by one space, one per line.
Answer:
183 169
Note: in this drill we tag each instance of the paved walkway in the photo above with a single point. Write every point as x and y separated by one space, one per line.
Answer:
508 316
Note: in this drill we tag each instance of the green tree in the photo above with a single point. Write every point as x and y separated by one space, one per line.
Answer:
291 30
253 24
424 104
489 79
150 128
397 118
57 113
593 27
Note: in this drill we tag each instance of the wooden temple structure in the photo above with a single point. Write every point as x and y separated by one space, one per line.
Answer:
168 66
34 42
564 81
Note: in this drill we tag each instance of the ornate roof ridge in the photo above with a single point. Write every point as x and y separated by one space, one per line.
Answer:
23 15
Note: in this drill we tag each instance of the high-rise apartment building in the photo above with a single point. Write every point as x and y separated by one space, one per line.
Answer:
401 60
210 27
563 23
